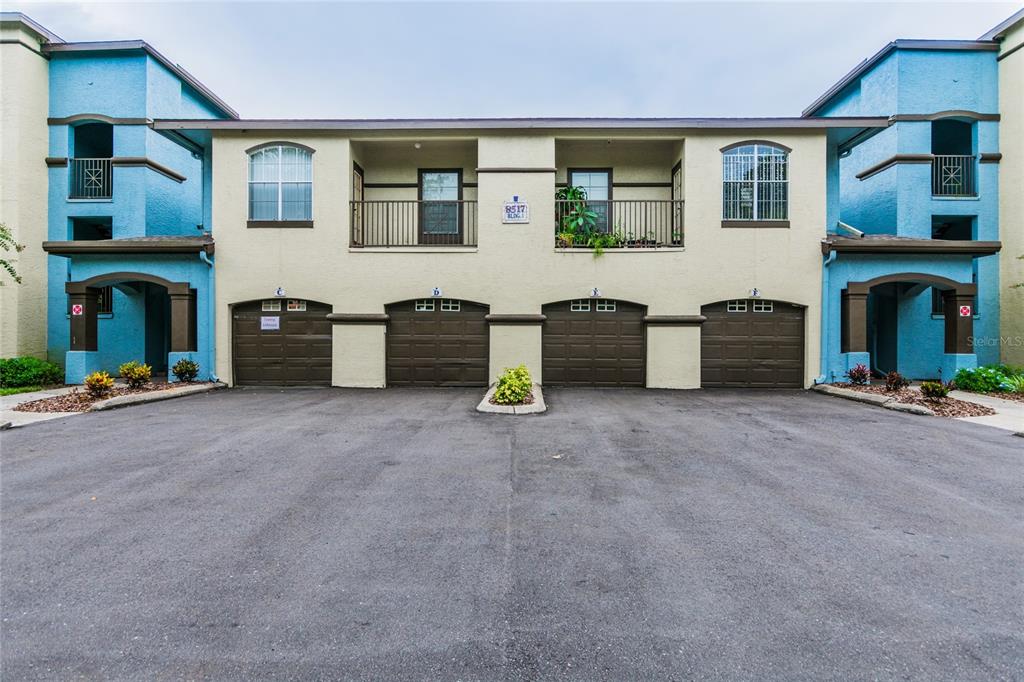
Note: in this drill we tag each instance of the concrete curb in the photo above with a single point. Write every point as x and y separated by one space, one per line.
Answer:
4 426
872 399
152 397
536 407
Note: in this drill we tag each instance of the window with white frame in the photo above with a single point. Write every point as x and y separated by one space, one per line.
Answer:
763 306
296 305
281 183
736 306
425 306
579 306
271 306
450 306
606 306
755 183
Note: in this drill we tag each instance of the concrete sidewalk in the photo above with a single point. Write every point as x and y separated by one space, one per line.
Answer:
12 418
1009 413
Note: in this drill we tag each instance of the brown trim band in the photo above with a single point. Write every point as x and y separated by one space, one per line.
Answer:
516 170
909 246
892 161
358 318
950 113
515 319
390 185
148 163
9 41
56 161
173 288
279 143
279 223
755 223
998 59
990 157
101 118
743 143
122 246
651 185
675 320
863 288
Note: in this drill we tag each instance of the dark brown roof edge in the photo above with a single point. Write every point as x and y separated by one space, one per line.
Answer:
170 245
905 246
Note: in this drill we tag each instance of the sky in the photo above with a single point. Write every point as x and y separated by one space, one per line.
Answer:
498 59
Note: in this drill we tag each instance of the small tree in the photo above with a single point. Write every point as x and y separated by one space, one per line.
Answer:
8 243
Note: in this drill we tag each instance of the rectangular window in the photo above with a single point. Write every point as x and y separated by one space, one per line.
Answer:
440 214
580 306
606 306
763 306
271 306
450 306
425 306
296 306
736 307
598 184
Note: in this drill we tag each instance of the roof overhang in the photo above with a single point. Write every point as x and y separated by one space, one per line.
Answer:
898 246
147 245
143 46
44 34
998 32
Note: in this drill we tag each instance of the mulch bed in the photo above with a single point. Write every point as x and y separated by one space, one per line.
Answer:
942 407
79 400
526 401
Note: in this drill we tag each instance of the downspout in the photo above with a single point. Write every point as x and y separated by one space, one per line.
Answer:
826 327
203 256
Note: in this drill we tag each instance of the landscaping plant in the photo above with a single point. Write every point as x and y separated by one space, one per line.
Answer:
1016 383
514 386
99 384
135 374
27 371
934 390
859 375
185 370
982 380
894 381
9 243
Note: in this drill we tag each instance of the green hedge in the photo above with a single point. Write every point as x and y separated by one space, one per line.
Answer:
15 372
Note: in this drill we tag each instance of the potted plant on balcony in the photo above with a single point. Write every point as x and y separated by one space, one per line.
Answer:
575 223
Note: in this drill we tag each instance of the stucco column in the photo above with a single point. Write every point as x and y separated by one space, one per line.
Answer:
84 302
959 328
182 321
855 322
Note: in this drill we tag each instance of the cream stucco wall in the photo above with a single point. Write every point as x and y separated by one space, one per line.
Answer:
516 269
24 103
1011 195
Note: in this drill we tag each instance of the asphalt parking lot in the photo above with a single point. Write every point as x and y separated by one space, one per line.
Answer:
398 534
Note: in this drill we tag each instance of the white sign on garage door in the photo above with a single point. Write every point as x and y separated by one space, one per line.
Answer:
270 323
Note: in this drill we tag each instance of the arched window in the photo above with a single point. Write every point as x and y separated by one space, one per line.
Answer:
281 183
755 182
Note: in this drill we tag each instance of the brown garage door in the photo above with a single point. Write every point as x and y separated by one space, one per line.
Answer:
437 342
281 342
752 343
594 342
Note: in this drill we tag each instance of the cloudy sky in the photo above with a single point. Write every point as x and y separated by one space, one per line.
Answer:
427 59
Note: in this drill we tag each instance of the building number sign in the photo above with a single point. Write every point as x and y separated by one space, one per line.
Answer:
516 212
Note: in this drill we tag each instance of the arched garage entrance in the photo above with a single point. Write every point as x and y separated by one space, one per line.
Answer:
595 342
281 342
752 343
437 342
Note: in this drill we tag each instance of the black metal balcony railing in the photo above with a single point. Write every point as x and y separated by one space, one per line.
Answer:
388 223
91 179
953 176
622 223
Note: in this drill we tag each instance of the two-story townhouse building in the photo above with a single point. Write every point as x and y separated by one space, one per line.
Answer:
910 279
24 102
127 211
437 252
1009 35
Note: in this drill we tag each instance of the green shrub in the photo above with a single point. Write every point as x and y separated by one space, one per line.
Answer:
1016 383
1008 370
15 372
981 380
934 390
99 384
514 385
894 381
859 375
185 370
135 374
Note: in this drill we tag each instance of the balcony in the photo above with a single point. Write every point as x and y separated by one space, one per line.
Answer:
90 179
390 223
619 223
954 176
